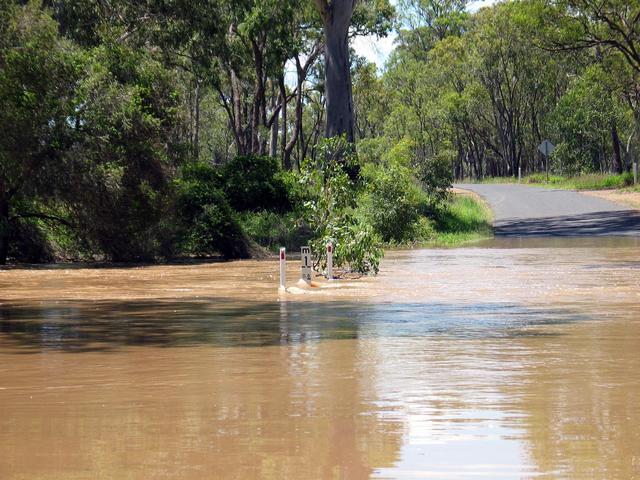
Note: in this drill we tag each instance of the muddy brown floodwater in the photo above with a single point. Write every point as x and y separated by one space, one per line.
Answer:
513 359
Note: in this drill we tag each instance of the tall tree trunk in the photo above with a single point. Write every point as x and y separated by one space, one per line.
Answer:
240 134
273 141
302 71
617 157
336 18
258 110
196 127
283 92
298 120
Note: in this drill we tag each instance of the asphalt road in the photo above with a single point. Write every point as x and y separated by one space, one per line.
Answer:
521 210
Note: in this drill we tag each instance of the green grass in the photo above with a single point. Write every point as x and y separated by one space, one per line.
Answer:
465 220
579 182
583 182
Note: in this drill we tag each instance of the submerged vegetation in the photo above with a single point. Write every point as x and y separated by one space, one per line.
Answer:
145 131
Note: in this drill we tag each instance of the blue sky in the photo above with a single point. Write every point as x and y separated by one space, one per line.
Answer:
377 50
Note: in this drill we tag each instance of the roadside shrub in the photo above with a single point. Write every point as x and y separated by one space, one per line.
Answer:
119 187
401 152
215 229
329 209
436 176
373 150
254 183
392 202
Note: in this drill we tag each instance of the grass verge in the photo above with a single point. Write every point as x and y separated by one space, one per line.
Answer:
580 182
465 220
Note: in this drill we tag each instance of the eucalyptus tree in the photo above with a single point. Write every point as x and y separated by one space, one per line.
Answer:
38 73
339 18
425 22
607 29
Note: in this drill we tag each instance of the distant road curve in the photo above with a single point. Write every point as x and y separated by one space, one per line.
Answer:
522 210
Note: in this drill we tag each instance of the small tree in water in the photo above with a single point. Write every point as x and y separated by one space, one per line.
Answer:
330 209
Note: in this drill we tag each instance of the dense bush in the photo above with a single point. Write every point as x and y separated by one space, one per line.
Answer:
254 183
436 177
206 221
124 154
392 202
29 244
273 230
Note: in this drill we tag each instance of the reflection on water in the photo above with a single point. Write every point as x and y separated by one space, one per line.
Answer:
512 360
97 326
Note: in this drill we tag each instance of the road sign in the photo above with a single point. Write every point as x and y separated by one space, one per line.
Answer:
305 268
546 148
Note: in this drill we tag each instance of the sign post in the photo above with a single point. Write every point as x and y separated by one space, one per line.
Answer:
283 268
546 148
519 174
305 268
329 260
635 172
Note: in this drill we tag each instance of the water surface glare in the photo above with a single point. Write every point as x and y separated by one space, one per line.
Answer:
514 359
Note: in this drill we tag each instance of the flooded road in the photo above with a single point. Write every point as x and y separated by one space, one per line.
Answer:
515 359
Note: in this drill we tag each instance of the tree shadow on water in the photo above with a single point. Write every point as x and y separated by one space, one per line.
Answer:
84 326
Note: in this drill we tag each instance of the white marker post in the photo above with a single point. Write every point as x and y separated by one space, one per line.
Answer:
519 174
305 268
329 261
283 268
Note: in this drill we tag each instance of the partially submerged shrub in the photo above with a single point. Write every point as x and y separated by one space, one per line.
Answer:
330 209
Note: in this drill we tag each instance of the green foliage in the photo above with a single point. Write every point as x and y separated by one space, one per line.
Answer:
329 210
38 74
392 202
206 221
254 183
113 111
357 245
124 153
273 230
29 244
435 175
582 122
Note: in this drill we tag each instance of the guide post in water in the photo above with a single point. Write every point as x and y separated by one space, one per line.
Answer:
283 268
329 260
305 266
